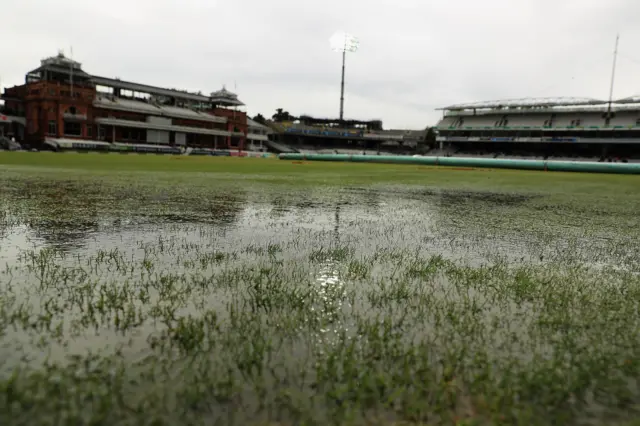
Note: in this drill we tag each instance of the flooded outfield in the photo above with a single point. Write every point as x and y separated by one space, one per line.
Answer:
136 301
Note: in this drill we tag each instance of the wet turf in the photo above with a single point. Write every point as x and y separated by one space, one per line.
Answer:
328 294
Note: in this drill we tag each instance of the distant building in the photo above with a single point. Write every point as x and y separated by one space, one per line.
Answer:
61 103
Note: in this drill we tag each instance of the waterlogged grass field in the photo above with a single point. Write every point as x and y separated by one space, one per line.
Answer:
156 290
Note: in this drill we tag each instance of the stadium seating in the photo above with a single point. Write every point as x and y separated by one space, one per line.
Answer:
280 148
575 129
626 119
322 131
524 121
592 120
110 102
588 120
569 120
122 104
446 122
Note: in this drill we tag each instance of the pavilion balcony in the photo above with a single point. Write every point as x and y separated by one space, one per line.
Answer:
74 117
170 128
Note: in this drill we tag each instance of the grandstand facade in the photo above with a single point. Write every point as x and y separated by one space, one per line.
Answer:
258 135
62 106
308 134
577 128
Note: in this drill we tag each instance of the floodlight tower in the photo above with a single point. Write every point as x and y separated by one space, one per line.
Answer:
343 42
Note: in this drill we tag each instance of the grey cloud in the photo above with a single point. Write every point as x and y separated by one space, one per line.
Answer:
415 55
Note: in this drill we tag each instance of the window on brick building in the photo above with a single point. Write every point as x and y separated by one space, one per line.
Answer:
72 128
89 131
53 128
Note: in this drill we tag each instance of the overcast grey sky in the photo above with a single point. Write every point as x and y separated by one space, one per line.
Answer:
414 56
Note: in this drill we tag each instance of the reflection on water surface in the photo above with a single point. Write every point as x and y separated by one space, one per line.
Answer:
282 304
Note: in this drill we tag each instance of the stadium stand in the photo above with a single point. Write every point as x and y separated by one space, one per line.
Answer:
121 104
313 135
279 148
576 128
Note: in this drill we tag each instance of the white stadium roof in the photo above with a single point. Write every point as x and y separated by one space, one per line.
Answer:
525 103
630 100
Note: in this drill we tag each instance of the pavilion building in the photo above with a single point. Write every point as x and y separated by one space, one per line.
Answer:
61 104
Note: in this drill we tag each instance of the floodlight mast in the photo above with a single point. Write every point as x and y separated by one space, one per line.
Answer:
613 76
343 42
344 59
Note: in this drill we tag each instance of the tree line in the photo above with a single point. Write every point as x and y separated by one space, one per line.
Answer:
279 116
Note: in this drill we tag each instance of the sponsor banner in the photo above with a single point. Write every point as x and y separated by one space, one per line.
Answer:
90 146
561 139
200 152
320 132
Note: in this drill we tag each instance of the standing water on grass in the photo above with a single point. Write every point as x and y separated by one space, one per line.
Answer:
127 303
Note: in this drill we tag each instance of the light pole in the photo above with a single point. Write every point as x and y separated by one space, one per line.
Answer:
343 42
